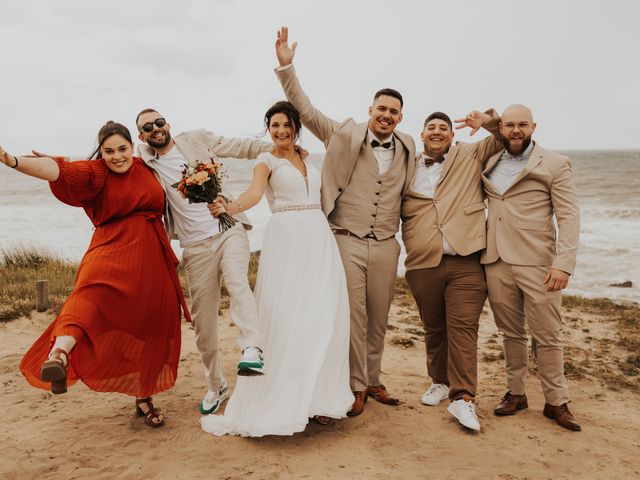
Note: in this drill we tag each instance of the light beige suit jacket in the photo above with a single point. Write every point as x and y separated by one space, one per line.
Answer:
456 209
520 227
342 141
203 145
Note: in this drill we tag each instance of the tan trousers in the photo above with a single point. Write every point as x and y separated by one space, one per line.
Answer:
518 294
371 267
450 298
226 254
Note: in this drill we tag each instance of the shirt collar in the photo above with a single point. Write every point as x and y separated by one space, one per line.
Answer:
523 156
371 137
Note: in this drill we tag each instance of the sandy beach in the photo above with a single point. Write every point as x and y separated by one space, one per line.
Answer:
86 435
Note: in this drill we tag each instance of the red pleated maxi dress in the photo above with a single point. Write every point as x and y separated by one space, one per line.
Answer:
124 310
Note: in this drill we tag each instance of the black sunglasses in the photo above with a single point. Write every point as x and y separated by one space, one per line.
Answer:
158 122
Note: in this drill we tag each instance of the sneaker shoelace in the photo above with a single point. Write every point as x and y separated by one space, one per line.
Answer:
210 397
470 407
436 387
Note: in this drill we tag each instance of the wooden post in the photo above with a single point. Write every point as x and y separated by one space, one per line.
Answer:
42 295
534 348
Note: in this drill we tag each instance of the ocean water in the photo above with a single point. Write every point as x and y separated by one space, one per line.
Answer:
607 184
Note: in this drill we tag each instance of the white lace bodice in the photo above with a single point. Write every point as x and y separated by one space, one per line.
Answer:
287 186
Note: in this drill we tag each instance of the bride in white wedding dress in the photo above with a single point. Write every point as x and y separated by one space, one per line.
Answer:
301 292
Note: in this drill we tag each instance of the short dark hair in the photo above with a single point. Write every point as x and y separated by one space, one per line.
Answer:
389 92
289 111
146 110
108 130
440 116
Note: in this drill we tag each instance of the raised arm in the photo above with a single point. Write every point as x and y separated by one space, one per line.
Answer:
318 123
246 200
44 168
490 121
237 147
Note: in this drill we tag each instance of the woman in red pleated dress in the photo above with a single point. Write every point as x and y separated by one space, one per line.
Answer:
119 330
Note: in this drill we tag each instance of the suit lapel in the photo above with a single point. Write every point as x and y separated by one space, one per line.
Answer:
401 147
534 160
491 163
183 144
448 161
357 139
398 151
358 136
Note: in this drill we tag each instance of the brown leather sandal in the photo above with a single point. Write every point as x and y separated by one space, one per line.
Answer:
321 420
54 370
151 414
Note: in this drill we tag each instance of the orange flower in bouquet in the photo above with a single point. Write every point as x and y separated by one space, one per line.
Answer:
202 183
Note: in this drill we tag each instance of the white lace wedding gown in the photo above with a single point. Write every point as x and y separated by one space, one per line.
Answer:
303 311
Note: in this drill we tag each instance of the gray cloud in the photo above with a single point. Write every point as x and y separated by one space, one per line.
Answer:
70 65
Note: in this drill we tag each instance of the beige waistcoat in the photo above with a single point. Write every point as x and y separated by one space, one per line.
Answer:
370 202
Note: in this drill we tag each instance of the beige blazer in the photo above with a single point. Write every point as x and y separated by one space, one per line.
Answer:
202 145
520 226
342 141
456 209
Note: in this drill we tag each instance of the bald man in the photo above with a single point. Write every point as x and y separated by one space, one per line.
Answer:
527 261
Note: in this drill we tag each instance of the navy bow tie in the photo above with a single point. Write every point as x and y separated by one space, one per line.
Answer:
376 143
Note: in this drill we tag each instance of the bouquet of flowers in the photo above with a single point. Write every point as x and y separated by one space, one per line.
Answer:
202 183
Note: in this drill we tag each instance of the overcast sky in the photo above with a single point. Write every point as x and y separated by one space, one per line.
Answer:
68 66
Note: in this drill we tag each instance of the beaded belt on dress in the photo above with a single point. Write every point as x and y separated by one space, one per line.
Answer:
286 208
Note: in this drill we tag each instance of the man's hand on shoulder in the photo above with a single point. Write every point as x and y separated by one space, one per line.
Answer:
285 53
556 280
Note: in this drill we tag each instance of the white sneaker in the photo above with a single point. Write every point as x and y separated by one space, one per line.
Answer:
251 362
213 400
436 393
464 410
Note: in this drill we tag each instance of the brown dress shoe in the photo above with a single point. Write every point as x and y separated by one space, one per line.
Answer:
381 394
358 406
562 416
511 404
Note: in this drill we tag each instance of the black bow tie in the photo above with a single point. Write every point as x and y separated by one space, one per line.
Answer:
430 161
376 143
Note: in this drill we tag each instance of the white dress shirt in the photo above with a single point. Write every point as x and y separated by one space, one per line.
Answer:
384 156
193 221
508 168
424 183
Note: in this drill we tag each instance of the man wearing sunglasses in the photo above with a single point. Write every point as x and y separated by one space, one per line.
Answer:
207 253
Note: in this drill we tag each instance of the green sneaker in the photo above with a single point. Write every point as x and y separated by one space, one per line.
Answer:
213 400
251 363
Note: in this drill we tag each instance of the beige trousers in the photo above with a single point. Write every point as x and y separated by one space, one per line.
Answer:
371 267
226 254
517 295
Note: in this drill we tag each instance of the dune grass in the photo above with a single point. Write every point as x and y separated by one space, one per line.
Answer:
19 271
21 268
626 315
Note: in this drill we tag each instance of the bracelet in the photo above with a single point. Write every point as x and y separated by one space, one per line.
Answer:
16 159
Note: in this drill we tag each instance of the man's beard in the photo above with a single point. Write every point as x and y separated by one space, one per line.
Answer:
515 152
159 145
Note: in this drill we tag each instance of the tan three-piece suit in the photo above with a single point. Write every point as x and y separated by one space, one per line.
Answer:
521 248
358 199
450 290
